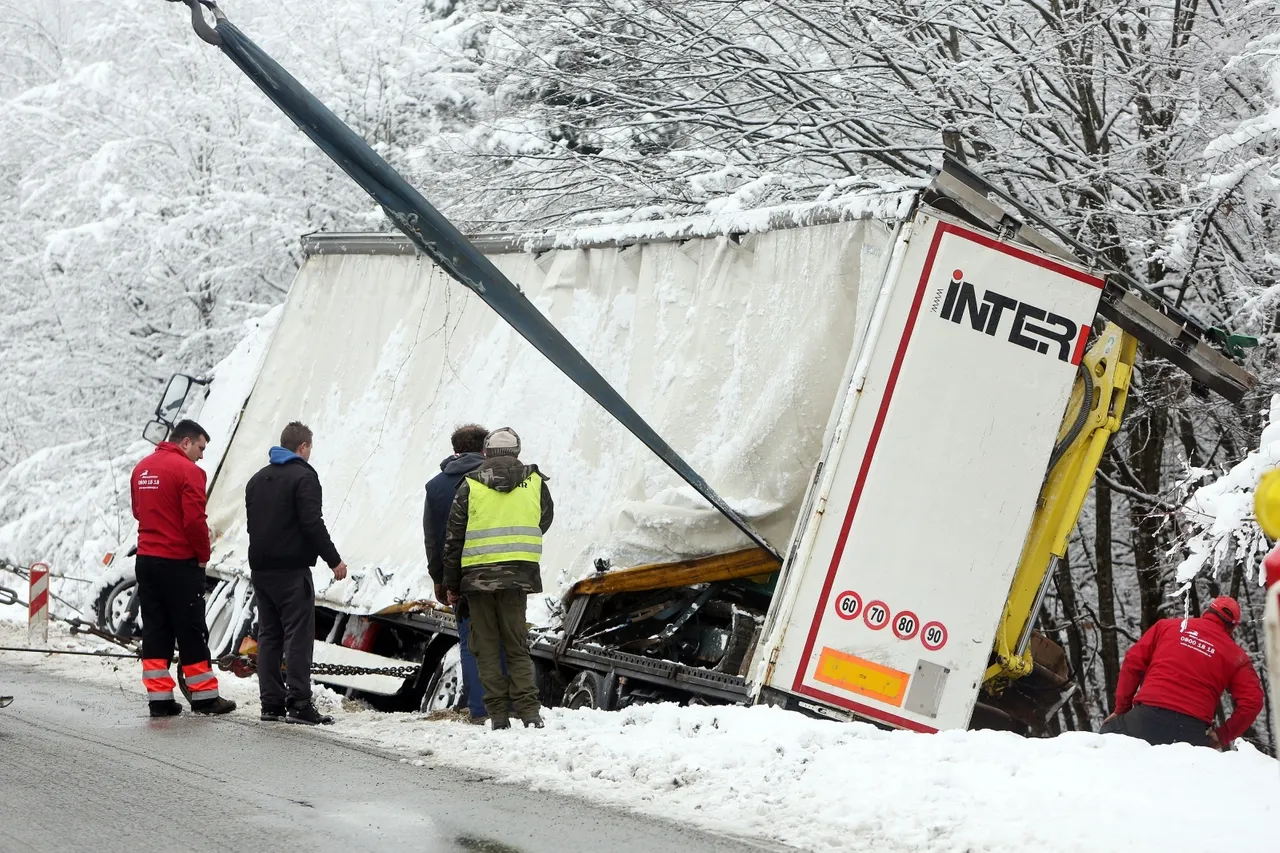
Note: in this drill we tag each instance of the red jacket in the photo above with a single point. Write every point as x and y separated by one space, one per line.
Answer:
168 492
1187 670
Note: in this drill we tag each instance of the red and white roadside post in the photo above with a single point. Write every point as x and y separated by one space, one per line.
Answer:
38 613
1271 627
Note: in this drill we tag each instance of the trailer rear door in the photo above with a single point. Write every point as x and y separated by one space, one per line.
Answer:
900 572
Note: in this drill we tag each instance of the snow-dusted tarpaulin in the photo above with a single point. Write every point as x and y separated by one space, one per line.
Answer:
733 349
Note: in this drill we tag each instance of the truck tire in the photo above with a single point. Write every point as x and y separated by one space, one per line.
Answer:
585 690
444 689
113 609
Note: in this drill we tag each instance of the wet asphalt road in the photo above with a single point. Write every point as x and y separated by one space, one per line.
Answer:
83 768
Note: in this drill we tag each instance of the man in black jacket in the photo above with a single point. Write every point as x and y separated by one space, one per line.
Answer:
468 454
286 534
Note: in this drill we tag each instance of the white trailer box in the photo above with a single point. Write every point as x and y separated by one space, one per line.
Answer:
728 334
898 572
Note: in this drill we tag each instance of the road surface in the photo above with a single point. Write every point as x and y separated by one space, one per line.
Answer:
83 768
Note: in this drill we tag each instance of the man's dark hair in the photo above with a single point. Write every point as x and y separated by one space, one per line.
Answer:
294 436
469 438
187 429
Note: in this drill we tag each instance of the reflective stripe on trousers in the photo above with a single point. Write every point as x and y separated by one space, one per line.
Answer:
156 679
200 680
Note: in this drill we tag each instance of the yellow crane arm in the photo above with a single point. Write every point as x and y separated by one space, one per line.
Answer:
1109 365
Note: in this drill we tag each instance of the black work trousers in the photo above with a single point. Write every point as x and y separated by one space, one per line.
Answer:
1158 726
171 593
286 631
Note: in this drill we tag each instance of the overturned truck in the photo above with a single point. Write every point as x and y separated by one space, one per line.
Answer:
905 392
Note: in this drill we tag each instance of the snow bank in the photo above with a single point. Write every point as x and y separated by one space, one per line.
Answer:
826 786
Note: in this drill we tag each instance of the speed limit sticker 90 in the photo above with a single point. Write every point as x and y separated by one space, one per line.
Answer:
848 604
933 636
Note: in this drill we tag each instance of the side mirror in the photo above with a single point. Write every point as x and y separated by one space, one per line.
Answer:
174 396
155 431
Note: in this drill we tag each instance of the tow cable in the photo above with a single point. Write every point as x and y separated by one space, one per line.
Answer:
240 665
66 652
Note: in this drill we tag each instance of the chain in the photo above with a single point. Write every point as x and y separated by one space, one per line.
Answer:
344 669
244 666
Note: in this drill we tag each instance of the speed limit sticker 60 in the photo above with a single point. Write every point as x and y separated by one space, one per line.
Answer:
876 615
848 604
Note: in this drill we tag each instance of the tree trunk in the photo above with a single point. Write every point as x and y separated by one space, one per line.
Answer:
1110 650
1147 434
1075 641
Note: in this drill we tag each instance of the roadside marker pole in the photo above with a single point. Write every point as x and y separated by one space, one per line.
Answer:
38 613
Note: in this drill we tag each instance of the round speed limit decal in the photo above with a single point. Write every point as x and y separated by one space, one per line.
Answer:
933 636
876 615
848 604
905 625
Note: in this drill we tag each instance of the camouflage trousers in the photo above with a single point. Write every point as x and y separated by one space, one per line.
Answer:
498 625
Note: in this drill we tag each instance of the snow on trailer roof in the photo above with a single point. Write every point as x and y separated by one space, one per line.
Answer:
887 203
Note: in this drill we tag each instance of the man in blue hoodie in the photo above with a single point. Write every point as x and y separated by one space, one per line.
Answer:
468 455
287 533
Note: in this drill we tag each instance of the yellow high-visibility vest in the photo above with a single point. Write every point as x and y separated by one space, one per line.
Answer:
503 526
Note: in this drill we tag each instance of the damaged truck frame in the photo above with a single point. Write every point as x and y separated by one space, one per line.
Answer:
990 371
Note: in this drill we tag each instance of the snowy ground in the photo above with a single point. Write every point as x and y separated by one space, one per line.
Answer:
824 786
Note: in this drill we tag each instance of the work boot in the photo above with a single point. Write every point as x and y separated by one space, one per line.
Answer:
476 721
273 713
496 723
535 722
307 715
165 708
212 707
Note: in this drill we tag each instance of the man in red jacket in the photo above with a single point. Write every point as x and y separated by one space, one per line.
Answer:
168 493
1178 672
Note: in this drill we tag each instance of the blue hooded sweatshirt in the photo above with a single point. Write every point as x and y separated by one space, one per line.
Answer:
280 456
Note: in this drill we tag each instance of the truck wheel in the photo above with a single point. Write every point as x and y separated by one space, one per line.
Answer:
112 609
445 687
585 690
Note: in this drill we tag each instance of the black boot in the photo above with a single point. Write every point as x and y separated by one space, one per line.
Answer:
165 708
307 715
273 713
499 723
216 705
535 721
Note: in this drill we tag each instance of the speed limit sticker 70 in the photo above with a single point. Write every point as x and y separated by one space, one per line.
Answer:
876 615
848 604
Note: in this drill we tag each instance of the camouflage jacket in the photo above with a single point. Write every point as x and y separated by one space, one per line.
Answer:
503 473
